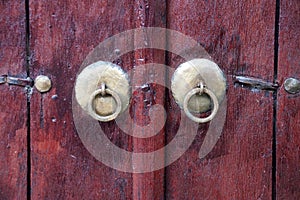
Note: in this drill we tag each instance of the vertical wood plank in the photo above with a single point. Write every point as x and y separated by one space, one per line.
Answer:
151 13
288 115
239 35
62 34
13 112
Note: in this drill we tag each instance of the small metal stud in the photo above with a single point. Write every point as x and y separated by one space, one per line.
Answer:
42 83
292 85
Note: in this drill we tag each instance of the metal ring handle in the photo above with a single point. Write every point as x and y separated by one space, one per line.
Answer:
91 109
210 94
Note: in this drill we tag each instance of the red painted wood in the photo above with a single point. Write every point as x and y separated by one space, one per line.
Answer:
148 14
239 35
13 114
288 117
62 35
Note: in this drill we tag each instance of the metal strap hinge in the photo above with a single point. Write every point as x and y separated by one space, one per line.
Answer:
23 82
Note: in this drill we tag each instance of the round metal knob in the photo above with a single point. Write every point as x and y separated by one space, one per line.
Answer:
292 85
42 83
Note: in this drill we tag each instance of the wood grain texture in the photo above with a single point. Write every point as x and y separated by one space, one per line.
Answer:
62 35
288 115
239 35
13 114
148 14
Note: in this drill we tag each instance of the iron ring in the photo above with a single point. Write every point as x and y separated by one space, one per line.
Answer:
91 109
213 98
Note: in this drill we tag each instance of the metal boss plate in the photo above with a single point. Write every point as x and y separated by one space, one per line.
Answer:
188 75
90 78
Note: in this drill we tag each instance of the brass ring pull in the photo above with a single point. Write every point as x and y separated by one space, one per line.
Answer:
102 92
200 90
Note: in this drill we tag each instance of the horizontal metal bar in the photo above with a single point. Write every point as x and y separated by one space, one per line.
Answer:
2 79
19 81
16 81
255 83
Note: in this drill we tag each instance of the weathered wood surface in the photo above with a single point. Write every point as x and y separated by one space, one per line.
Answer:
288 115
13 113
239 35
62 35
148 14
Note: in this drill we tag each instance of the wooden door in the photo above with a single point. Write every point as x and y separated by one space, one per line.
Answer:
257 155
